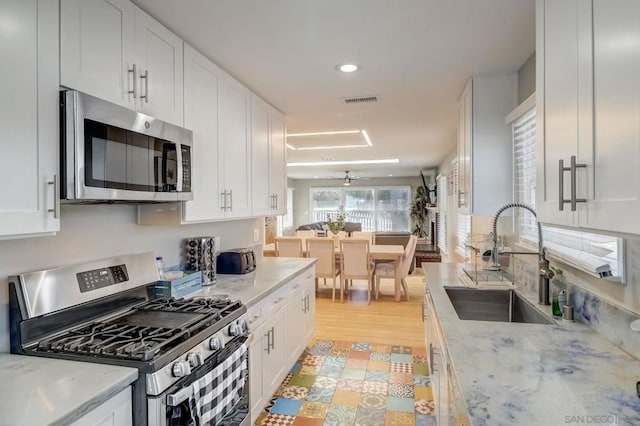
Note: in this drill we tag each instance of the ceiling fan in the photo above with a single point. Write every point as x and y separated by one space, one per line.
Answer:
347 179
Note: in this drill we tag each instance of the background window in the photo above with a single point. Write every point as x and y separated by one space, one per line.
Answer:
376 209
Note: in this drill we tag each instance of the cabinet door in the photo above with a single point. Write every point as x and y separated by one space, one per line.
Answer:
97 48
295 329
558 67
263 202
116 411
277 161
30 148
612 152
235 146
465 117
201 79
159 58
257 397
274 368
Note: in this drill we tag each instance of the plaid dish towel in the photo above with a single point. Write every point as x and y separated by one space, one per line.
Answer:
220 389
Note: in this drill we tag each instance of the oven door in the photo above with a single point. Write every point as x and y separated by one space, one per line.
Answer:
217 393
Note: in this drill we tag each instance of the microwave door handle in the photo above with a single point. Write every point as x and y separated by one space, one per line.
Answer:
179 397
179 167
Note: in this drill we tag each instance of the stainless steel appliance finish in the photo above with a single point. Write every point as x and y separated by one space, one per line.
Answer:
105 312
128 171
48 291
494 305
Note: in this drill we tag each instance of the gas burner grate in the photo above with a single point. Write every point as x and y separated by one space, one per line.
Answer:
199 305
115 340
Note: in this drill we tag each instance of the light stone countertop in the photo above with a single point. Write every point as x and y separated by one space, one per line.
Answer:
531 374
44 391
271 273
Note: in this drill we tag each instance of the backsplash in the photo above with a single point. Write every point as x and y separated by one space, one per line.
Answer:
600 314
100 231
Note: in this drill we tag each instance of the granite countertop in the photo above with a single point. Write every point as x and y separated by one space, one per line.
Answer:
271 273
531 374
45 391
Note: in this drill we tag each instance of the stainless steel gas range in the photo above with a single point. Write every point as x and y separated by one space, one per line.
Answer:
191 353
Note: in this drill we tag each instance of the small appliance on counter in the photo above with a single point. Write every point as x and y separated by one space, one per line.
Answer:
236 261
199 254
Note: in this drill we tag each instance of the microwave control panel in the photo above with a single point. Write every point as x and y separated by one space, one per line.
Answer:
103 277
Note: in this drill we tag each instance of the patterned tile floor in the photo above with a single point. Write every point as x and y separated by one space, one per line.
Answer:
345 383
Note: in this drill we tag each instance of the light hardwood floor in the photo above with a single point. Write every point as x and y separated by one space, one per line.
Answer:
384 321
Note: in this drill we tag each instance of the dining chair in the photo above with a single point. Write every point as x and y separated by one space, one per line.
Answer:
355 264
388 270
363 235
323 250
289 247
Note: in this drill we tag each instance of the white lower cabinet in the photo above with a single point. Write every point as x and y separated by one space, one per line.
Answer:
279 326
450 408
116 411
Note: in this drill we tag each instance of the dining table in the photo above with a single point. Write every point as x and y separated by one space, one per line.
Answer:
392 252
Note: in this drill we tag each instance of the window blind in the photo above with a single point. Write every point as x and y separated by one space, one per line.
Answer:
591 253
442 214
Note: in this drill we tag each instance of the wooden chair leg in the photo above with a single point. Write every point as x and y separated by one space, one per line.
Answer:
333 292
405 288
377 287
369 285
341 290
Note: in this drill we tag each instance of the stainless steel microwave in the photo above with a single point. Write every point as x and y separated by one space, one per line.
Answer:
113 154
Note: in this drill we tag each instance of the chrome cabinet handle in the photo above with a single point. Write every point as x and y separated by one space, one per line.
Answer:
304 304
146 86
572 169
134 79
574 178
223 206
56 197
268 348
230 193
276 203
273 340
308 303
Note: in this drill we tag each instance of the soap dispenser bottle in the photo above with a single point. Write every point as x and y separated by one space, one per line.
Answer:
559 293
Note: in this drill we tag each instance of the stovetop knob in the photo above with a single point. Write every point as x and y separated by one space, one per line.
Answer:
181 369
244 326
194 359
216 343
233 330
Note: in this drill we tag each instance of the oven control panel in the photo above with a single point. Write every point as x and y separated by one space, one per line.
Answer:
103 277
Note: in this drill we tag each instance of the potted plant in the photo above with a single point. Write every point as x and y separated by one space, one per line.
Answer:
419 213
336 224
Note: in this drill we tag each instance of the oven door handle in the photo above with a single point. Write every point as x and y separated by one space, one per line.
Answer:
179 397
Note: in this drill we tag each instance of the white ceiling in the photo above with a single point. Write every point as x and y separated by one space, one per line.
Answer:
415 55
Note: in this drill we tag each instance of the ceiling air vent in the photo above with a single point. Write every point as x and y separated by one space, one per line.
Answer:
360 100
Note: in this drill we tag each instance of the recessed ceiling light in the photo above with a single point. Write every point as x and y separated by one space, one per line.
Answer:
365 136
390 175
344 163
348 67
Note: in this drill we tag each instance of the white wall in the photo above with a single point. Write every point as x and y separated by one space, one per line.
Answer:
97 231
301 194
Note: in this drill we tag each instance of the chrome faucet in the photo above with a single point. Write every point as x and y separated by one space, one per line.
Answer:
544 271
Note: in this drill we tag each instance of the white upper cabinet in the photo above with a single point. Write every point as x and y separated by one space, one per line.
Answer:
268 141
29 118
201 80
262 198
113 50
589 110
485 146
159 58
97 48
234 102
277 161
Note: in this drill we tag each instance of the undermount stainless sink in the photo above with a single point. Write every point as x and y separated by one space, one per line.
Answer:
494 305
